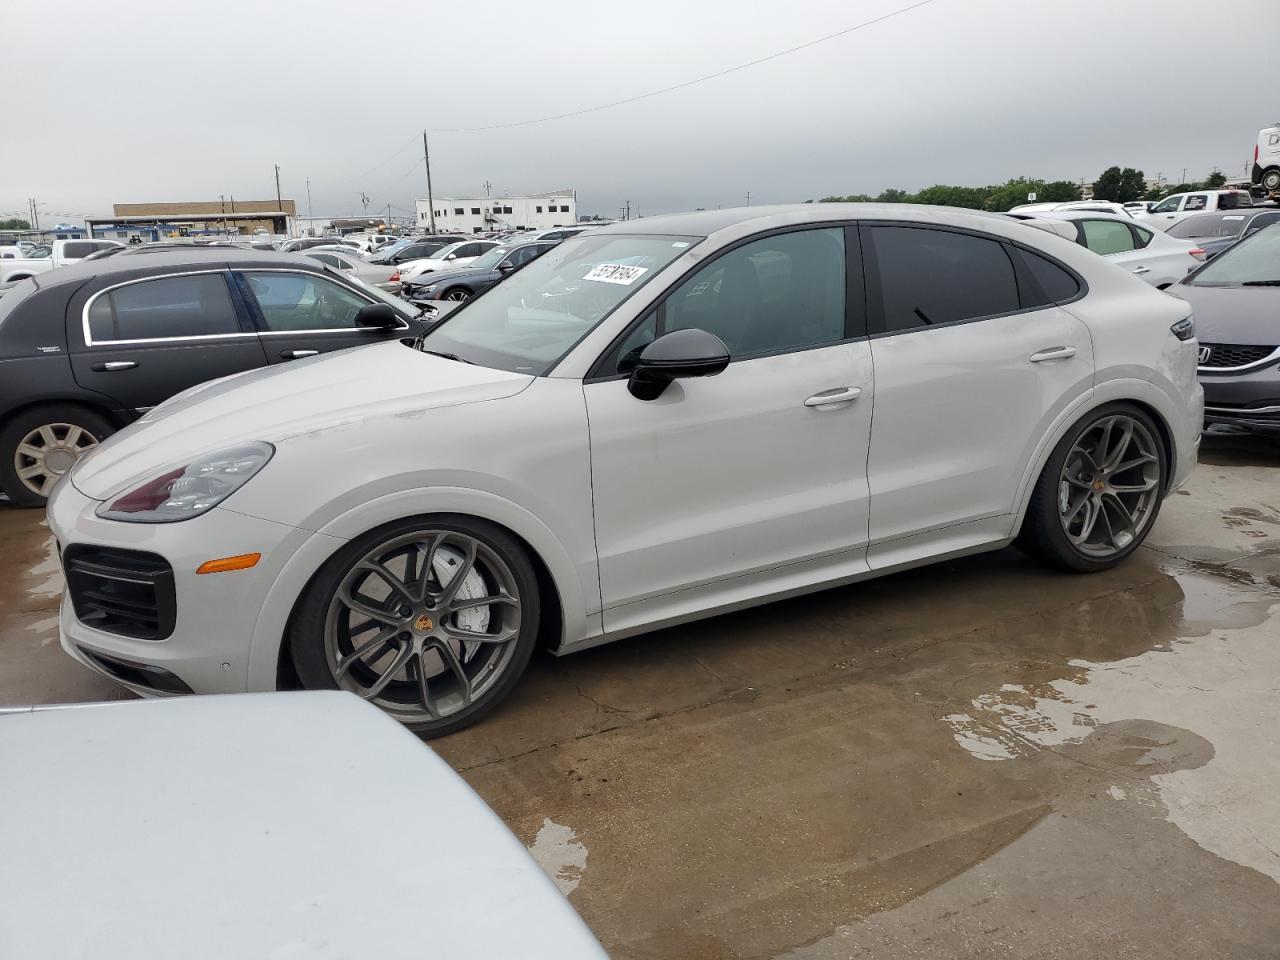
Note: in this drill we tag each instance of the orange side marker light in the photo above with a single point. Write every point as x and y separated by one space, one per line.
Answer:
242 562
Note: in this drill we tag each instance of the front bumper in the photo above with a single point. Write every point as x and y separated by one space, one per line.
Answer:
209 649
1246 402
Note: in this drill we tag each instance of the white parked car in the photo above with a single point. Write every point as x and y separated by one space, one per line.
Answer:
1158 259
1093 206
1179 205
345 260
258 826
455 256
654 422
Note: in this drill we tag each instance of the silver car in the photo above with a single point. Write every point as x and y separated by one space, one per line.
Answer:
371 274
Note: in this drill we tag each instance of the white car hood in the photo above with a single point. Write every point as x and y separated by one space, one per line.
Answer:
283 403
277 825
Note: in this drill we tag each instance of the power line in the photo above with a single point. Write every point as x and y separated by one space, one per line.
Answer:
689 83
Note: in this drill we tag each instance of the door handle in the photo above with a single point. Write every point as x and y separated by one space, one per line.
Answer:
113 365
837 395
1142 270
1053 353
296 354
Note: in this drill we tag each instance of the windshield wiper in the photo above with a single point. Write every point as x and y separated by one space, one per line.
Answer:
1261 283
449 356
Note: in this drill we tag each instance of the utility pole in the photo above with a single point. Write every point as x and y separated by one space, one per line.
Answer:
310 215
388 215
487 187
222 199
364 202
628 213
431 200
1184 175
748 198
279 202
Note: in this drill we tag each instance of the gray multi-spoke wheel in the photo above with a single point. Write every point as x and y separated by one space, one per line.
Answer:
457 294
38 446
1109 485
431 621
1100 491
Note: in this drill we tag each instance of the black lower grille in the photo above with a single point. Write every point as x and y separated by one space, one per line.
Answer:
121 591
1232 354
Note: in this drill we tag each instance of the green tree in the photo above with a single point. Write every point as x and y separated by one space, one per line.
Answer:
14 225
1215 180
1107 186
1059 191
1132 184
894 195
1009 194
944 195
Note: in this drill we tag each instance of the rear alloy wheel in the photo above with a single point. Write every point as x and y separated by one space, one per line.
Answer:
1271 181
433 622
458 294
38 447
1099 493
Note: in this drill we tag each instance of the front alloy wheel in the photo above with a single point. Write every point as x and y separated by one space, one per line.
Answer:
432 624
457 295
49 451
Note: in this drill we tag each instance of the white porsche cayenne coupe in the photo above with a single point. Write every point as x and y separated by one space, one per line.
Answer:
657 421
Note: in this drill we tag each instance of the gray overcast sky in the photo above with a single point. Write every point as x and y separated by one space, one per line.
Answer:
138 101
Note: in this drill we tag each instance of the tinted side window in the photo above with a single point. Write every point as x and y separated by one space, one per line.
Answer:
1142 234
1106 237
1167 206
935 276
780 293
1262 220
193 306
299 301
82 249
1041 281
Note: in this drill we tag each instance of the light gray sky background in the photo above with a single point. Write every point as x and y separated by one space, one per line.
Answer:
137 100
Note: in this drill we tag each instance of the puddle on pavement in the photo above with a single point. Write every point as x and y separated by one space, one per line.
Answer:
558 852
1217 683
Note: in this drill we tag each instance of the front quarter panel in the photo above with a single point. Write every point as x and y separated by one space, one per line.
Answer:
521 462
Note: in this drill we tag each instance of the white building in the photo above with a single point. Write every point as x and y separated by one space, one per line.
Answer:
540 211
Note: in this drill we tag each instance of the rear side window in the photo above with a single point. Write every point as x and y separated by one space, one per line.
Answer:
1143 235
1197 201
1041 281
1106 237
1208 225
191 306
926 277
79 250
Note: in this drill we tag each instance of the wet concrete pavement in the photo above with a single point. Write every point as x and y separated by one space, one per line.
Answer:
983 758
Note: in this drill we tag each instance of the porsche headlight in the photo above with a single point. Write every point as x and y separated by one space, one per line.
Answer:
186 492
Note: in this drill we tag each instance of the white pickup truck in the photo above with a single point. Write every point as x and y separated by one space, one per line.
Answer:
1181 205
13 266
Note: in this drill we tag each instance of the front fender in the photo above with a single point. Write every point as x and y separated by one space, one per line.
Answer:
575 580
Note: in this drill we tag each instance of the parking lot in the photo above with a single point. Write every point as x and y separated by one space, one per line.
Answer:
979 758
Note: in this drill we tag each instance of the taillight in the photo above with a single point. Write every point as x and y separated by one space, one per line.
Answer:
1197 252
1255 153
394 278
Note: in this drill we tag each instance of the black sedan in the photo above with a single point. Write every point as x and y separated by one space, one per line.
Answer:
88 348
1236 299
1214 232
480 275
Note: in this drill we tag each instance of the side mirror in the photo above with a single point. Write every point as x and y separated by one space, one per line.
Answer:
378 315
680 353
452 256
506 266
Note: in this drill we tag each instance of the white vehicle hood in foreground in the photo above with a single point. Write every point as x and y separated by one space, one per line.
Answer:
284 402
286 825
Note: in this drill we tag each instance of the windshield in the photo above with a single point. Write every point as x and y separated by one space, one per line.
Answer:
1253 261
1208 225
490 258
529 321
444 251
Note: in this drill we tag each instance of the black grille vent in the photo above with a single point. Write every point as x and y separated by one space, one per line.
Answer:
1233 355
121 591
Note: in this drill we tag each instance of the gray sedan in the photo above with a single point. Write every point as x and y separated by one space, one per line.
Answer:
373 274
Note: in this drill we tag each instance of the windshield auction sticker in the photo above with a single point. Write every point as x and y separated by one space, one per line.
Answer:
616 273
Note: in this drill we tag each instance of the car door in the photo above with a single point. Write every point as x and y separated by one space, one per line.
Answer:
300 314
142 340
974 359
1165 213
760 470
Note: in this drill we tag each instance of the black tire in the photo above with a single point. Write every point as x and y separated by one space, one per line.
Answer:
1271 181
306 635
457 295
22 424
1042 535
